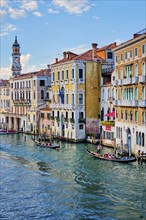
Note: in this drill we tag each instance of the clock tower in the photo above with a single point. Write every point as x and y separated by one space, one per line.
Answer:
16 66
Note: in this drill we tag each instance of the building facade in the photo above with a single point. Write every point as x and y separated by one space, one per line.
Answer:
129 79
75 79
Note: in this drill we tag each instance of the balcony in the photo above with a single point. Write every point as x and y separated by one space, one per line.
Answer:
115 102
66 81
115 83
120 82
127 81
142 79
132 103
82 120
142 103
21 101
110 99
134 79
63 106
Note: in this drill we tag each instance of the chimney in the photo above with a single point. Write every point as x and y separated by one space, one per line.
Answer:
64 55
56 60
94 56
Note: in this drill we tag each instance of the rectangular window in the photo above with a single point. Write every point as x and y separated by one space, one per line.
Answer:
126 55
42 82
121 57
66 98
73 99
42 115
34 117
81 126
144 49
66 114
130 53
66 74
81 115
136 52
62 75
72 74
116 59
53 77
72 115
80 99
58 75
58 114
109 55
48 115
34 82
48 127
11 85
80 73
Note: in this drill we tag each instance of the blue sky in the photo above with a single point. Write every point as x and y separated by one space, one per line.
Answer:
46 28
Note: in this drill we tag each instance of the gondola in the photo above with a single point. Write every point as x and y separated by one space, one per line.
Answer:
53 146
113 159
2 131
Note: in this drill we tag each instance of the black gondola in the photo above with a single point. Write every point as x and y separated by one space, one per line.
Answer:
111 158
46 145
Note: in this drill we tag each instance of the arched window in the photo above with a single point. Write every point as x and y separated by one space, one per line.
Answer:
142 139
42 94
136 69
130 115
121 73
143 69
143 117
143 93
122 114
136 116
103 94
136 93
126 115
137 137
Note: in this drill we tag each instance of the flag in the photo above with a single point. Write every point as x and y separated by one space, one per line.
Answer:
61 96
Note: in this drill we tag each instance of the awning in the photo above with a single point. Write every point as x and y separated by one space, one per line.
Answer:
111 114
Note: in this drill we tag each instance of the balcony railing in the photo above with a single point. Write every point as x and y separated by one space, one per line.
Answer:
127 81
22 101
142 79
130 103
134 79
63 106
115 83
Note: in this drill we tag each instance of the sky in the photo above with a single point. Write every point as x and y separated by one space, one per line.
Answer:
47 28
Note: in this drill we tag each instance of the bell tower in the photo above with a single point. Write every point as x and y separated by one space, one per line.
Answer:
16 66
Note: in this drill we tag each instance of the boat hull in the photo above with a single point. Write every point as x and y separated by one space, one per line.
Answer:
119 160
53 146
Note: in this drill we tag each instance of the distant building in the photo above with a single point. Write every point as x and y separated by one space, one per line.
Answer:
129 80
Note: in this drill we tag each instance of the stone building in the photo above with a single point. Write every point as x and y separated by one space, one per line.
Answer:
129 79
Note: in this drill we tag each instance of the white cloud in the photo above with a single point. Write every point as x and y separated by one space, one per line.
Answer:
51 11
73 6
16 13
2 13
6 73
37 13
29 5
7 28
95 17
118 41
79 49
4 3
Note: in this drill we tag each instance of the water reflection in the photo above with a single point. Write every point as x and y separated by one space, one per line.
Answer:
40 183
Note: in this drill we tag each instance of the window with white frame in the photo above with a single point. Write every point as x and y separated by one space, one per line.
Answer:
144 49
136 69
81 74
66 74
72 73
58 75
73 99
143 69
130 53
136 52
121 56
66 98
80 99
136 116
126 55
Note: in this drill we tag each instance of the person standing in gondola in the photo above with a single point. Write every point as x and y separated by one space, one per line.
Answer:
98 148
138 156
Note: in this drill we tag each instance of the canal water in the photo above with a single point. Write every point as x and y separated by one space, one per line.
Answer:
67 184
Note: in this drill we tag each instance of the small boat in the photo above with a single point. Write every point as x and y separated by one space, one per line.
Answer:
40 144
3 131
111 158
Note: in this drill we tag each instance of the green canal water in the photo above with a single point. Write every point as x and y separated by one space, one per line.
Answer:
68 184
